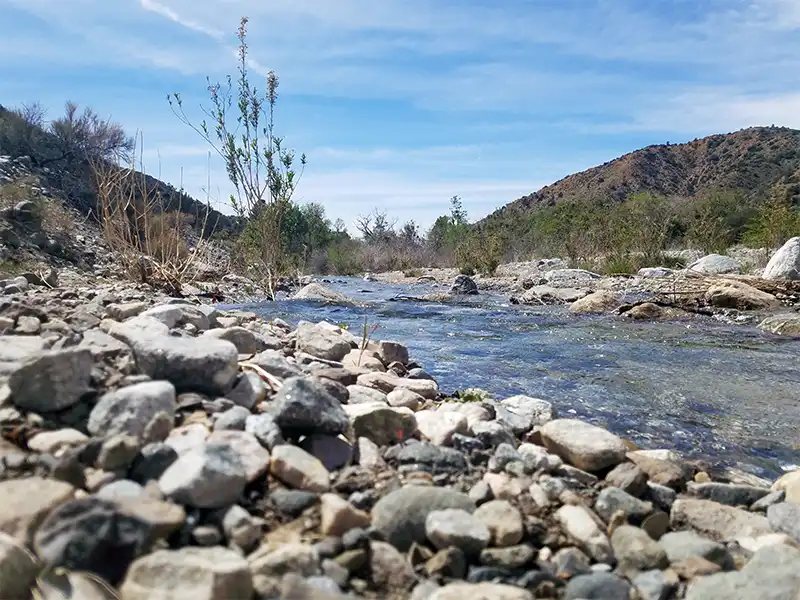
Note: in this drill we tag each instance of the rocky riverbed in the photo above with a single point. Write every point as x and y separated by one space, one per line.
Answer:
160 448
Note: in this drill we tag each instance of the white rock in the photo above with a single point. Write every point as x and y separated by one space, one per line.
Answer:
583 445
785 263
580 525
298 469
439 427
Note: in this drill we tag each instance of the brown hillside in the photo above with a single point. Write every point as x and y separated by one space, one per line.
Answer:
750 160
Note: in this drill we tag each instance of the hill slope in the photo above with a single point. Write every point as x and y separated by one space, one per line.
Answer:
751 160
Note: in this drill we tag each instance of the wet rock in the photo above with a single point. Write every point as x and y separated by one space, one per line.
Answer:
206 366
583 445
503 520
785 263
24 504
212 476
457 527
400 516
297 468
130 409
52 380
382 424
635 550
783 324
717 521
214 573
680 545
521 413
91 534
303 407
464 286
321 342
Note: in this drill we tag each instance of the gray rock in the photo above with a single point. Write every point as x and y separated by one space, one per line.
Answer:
302 407
275 363
176 315
292 502
570 562
248 390
492 433
629 478
503 520
254 457
24 504
715 264
597 586
680 545
152 461
298 469
234 418
214 573
209 477
521 413
383 424
334 452
785 263
717 521
400 516
635 550
321 342
319 293
431 458
726 493
390 352
207 366
611 500
785 518
653 585
459 528
92 535
130 409
360 394
464 285
772 574
663 497
768 500
583 445
120 489
266 430
117 452
246 341
503 454
51 381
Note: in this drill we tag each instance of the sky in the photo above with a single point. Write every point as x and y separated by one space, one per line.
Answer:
401 104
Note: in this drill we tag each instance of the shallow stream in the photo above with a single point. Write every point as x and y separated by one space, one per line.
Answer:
729 393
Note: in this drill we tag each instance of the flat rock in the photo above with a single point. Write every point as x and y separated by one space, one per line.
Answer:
605 586
717 521
53 441
521 413
715 264
211 476
680 545
480 591
214 573
387 382
596 303
400 515
52 380
583 445
459 528
725 493
208 366
130 409
299 469
246 341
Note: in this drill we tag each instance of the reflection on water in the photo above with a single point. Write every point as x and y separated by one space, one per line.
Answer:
702 387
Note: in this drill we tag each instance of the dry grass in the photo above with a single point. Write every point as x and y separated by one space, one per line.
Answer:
51 214
149 242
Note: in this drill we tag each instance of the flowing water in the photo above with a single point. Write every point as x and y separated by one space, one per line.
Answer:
707 389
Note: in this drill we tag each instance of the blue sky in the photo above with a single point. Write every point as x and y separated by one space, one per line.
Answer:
400 104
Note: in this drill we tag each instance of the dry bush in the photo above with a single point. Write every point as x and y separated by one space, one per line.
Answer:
149 243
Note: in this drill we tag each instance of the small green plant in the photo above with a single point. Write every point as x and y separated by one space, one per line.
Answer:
472 395
344 326
366 335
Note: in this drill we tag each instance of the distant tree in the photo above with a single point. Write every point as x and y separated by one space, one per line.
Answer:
87 135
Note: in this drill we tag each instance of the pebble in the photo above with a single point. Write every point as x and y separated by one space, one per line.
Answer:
457 527
299 469
209 477
503 520
338 516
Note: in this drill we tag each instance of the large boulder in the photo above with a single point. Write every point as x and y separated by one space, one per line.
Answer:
319 293
715 264
596 303
735 294
785 263
784 324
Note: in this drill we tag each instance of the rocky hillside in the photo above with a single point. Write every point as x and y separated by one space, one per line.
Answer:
751 160
70 176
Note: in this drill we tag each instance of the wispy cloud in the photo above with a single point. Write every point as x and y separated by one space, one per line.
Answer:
403 103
